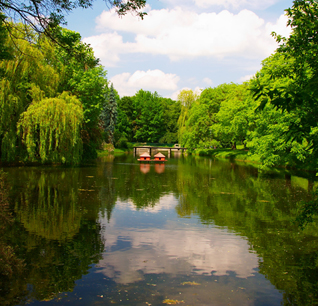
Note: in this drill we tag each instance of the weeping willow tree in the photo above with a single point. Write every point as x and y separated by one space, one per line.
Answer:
25 75
50 130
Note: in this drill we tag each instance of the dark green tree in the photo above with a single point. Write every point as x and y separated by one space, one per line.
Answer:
4 50
149 119
171 113
109 113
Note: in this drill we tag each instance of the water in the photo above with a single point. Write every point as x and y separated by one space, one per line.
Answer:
193 231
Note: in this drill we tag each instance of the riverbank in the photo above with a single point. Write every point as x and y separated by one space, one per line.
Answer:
235 155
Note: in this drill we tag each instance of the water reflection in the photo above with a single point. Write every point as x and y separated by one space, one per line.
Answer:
160 168
181 248
144 168
47 204
213 231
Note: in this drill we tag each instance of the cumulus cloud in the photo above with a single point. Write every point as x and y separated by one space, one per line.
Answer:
245 78
179 33
127 84
107 47
253 4
208 81
279 27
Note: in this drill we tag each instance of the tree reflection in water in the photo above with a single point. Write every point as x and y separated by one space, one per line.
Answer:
193 219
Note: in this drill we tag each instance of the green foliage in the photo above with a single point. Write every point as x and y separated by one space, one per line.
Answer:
50 130
172 110
41 70
26 76
186 98
108 116
82 76
216 117
147 117
122 143
4 50
288 80
307 210
149 122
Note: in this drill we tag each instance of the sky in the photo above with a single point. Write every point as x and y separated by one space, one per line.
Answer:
182 44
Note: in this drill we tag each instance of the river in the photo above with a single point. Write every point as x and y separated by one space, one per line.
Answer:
191 231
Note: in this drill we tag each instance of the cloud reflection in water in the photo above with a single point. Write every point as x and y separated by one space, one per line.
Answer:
180 247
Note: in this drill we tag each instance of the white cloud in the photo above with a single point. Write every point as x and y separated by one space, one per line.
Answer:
208 81
127 84
279 27
245 78
228 4
178 34
107 47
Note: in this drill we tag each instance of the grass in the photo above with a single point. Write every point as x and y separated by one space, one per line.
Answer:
238 154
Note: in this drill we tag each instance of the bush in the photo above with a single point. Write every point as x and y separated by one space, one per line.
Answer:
122 143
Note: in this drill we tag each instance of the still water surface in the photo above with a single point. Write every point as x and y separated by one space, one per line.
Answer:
194 230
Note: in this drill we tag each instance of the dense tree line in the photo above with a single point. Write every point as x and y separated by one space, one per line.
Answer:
50 99
274 114
53 90
147 117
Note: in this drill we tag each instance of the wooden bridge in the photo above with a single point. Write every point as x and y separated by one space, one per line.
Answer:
169 149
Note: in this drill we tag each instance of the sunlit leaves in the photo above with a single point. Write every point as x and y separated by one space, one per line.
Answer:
50 129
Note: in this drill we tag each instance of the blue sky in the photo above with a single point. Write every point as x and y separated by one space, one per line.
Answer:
191 44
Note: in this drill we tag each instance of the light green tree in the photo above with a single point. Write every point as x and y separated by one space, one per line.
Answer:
50 130
186 97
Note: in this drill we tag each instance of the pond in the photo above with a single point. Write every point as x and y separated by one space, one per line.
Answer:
191 231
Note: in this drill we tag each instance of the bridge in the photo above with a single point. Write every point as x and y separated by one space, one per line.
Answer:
169 149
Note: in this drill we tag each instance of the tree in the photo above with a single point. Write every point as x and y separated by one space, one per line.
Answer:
26 75
50 129
108 116
149 124
44 15
276 138
186 97
171 113
235 117
4 50
40 70
124 127
199 127
82 76
292 85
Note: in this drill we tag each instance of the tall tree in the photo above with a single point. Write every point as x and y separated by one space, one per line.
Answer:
26 75
148 113
108 116
186 97
201 119
124 127
292 85
40 70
